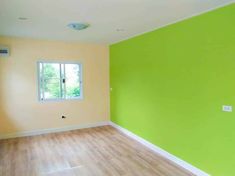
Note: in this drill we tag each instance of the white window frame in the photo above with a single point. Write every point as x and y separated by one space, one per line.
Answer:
62 98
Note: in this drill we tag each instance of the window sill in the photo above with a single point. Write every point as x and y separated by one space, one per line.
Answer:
61 100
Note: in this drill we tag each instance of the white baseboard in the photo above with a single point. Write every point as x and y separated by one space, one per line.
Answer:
161 152
52 130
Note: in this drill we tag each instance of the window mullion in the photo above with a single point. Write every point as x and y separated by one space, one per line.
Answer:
64 82
61 82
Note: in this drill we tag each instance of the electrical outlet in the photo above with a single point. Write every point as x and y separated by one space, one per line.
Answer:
227 108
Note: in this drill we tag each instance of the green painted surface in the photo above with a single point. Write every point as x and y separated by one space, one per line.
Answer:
169 86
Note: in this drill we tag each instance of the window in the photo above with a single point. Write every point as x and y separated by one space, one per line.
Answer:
59 81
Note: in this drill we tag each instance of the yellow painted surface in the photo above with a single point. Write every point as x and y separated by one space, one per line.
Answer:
20 109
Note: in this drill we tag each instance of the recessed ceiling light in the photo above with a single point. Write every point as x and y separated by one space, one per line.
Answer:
120 30
78 26
22 18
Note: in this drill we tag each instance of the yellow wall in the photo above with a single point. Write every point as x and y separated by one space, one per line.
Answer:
20 109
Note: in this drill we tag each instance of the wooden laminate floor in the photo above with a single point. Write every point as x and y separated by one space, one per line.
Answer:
101 151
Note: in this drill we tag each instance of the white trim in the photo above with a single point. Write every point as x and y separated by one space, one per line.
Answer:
174 22
161 152
52 130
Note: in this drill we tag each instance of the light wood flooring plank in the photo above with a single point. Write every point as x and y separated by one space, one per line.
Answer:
100 151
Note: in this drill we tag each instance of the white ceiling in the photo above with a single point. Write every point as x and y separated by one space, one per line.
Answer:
48 19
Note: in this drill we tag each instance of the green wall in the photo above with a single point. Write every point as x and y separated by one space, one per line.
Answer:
169 85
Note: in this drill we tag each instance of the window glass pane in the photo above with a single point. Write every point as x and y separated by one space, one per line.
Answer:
41 80
51 70
51 81
72 84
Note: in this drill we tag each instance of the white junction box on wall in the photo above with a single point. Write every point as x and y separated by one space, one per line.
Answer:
227 108
4 51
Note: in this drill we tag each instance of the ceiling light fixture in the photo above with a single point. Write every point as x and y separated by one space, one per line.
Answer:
78 26
120 30
22 18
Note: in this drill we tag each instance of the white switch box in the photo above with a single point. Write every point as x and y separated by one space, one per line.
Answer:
227 108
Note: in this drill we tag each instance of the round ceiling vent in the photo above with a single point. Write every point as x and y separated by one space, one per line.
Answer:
78 26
